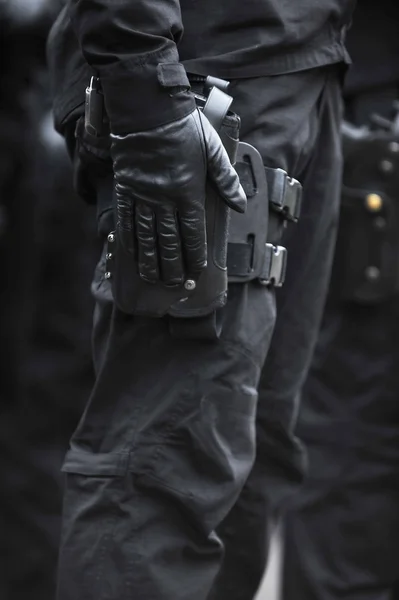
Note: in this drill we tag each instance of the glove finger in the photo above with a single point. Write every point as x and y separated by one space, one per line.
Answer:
193 236
220 170
146 243
169 247
125 226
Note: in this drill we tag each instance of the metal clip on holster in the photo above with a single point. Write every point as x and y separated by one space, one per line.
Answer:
285 194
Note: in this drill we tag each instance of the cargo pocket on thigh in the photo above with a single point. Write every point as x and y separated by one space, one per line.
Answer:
204 458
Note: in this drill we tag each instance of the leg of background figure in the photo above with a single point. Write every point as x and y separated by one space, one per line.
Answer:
342 532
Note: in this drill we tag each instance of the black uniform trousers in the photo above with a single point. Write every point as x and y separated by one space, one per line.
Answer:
342 530
342 535
186 447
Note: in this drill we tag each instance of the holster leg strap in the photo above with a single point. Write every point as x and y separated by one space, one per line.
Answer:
207 328
284 193
273 264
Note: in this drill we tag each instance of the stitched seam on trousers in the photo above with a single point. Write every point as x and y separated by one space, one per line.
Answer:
131 443
110 524
105 546
134 557
180 408
155 455
133 560
244 350
165 485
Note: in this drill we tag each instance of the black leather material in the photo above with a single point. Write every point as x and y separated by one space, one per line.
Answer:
168 254
160 183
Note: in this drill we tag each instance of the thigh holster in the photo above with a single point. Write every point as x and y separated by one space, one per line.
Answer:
238 247
192 299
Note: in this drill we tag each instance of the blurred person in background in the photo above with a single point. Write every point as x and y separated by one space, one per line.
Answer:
342 531
48 252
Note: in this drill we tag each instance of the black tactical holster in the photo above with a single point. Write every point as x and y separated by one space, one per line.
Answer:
192 299
238 248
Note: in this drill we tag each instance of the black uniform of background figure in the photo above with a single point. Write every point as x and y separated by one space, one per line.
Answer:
342 532
47 248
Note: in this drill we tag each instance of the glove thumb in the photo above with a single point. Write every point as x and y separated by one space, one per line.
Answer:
220 170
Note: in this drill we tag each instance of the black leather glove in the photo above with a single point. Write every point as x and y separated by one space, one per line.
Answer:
161 176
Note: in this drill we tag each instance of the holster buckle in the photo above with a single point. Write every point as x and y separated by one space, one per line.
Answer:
275 265
285 194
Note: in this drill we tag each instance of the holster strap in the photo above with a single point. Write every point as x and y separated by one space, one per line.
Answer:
207 328
284 192
274 264
216 107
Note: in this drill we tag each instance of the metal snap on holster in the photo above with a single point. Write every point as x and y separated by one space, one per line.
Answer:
366 265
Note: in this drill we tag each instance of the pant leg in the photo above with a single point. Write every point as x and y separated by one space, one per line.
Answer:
341 539
162 451
278 469
168 437
343 529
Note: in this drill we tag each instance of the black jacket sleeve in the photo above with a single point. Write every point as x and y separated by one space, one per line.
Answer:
132 46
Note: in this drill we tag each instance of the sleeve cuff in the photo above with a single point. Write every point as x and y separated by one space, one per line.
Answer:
146 97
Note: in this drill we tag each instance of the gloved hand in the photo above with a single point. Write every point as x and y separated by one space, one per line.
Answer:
160 181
